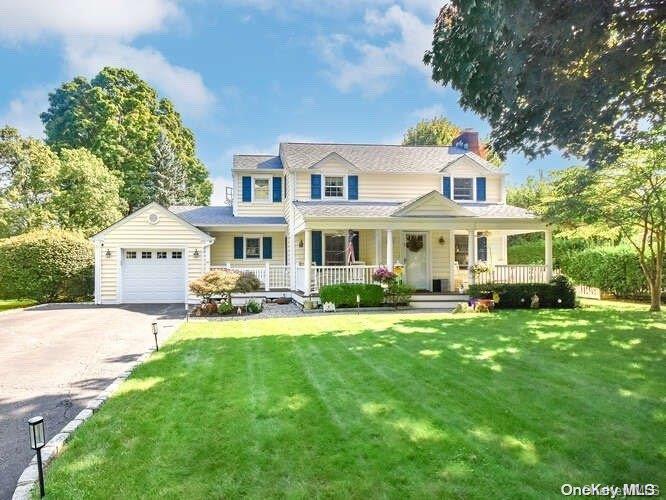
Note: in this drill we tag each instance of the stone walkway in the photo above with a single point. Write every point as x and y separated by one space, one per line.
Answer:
271 310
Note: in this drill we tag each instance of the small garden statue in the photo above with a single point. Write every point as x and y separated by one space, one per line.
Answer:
329 307
534 302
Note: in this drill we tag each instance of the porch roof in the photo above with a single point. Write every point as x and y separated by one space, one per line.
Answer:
220 216
365 209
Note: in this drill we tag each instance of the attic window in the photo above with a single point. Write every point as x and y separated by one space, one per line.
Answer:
463 188
334 187
153 218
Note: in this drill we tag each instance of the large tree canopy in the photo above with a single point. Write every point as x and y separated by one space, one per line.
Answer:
40 189
574 75
118 117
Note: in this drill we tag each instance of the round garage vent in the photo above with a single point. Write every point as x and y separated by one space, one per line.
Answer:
153 218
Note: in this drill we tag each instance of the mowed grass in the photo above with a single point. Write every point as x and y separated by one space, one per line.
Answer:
509 404
5 305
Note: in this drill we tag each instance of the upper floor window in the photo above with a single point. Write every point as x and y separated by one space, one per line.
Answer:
261 189
463 188
334 187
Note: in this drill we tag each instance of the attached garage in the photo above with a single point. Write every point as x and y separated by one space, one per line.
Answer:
153 275
150 256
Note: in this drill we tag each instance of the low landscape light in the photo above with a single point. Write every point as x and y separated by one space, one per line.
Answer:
358 304
157 347
37 442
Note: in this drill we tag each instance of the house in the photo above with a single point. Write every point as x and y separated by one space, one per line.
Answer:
317 214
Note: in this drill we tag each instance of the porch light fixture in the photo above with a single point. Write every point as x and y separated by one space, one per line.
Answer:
108 253
37 442
157 347
196 253
441 240
300 244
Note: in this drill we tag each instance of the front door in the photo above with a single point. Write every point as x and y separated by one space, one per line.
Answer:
416 261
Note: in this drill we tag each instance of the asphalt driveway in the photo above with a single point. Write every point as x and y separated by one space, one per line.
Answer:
56 358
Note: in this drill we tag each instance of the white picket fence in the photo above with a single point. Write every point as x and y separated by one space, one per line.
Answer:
513 274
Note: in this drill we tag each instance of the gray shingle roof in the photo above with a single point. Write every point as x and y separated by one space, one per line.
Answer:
387 208
218 216
257 162
378 157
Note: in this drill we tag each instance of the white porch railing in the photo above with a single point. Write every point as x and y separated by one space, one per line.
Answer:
270 276
333 275
513 274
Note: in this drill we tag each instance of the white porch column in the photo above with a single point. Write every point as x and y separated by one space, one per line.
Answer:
307 261
471 256
389 249
378 246
549 254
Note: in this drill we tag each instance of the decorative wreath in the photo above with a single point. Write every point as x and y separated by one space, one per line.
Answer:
414 243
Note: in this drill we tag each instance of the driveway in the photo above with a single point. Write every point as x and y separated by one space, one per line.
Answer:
56 358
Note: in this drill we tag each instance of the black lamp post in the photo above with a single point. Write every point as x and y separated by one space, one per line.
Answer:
37 442
157 348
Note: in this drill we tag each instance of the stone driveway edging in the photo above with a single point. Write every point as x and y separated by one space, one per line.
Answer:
54 446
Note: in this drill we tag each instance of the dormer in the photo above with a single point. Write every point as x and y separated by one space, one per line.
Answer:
333 178
259 185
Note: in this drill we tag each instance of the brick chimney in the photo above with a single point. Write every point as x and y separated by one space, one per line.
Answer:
469 140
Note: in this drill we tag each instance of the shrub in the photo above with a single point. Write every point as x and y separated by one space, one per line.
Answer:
247 282
47 266
559 293
524 250
225 308
253 306
344 294
220 282
613 269
398 294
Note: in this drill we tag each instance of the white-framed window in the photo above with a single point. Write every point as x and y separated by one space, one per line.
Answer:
130 254
177 254
161 255
334 186
262 189
463 188
252 246
146 255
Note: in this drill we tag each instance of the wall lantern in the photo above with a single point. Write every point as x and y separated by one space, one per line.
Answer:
108 253
157 348
441 240
196 253
37 442
300 244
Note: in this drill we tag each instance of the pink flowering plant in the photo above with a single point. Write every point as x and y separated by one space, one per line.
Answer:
384 276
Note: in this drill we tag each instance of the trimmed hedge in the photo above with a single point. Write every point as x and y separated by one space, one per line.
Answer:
519 295
344 294
613 269
46 266
521 250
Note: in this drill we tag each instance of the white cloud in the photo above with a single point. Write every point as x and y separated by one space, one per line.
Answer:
98 33
23 111
184 86
403 38
125 19
428 112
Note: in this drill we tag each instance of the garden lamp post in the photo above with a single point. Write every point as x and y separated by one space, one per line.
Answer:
157 347
37 442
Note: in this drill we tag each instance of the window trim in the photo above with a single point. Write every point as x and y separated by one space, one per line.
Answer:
260 237
344 187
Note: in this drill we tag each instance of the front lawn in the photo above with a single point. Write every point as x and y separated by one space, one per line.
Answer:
15 304
509 404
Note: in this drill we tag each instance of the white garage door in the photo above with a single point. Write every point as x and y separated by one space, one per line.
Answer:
153 275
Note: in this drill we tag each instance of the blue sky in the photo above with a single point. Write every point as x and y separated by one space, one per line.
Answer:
245 75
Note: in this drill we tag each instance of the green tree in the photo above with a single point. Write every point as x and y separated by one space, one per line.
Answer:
28 174
559 74
168 180
629 195
118 117
87 195
440 131
531 194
